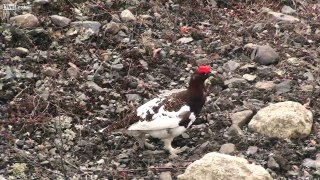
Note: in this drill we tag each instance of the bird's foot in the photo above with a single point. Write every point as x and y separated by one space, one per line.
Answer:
149 146
174 152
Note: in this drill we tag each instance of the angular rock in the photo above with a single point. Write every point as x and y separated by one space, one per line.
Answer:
60 20
230 66
287 10
126 16
25 21
51 71
265 85
241 118
234 80
252 150
87 25
227 148
272 163
95 86
221 166
249 77
283 87
133 97
265 55
73 72
283 120
234 131
112 28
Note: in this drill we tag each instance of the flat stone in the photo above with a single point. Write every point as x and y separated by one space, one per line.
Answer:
227 148
87 25
234 81
265 85
133 97
249 77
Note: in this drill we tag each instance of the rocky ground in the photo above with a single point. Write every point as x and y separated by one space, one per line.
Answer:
62 80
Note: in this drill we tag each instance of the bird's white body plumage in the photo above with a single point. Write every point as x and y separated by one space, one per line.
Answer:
164 123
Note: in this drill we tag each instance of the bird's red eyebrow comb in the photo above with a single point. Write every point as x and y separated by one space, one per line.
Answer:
203 69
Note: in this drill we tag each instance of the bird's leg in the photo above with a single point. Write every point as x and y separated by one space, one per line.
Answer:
143 143
173 152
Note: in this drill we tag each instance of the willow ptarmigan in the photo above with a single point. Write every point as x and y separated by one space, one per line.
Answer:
167 117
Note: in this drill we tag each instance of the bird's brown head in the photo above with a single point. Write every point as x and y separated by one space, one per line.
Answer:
201 74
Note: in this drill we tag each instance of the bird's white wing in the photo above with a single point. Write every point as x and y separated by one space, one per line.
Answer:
162 120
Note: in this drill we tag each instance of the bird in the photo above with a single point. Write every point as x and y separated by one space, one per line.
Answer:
166 117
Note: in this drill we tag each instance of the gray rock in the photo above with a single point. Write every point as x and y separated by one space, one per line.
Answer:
218 166
265 85
252 150
294 61
117 67
309 76
95 86
230 66
87 25
227 148
126 16
234 131
60 20
25 21
283 87
165 175
73 72
272 163
112 28
249 77
51 71
265 55
133 97
234 81
257 27
283 120
241 118
287 10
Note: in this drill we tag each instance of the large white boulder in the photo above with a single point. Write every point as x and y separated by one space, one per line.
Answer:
283 120
224 167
